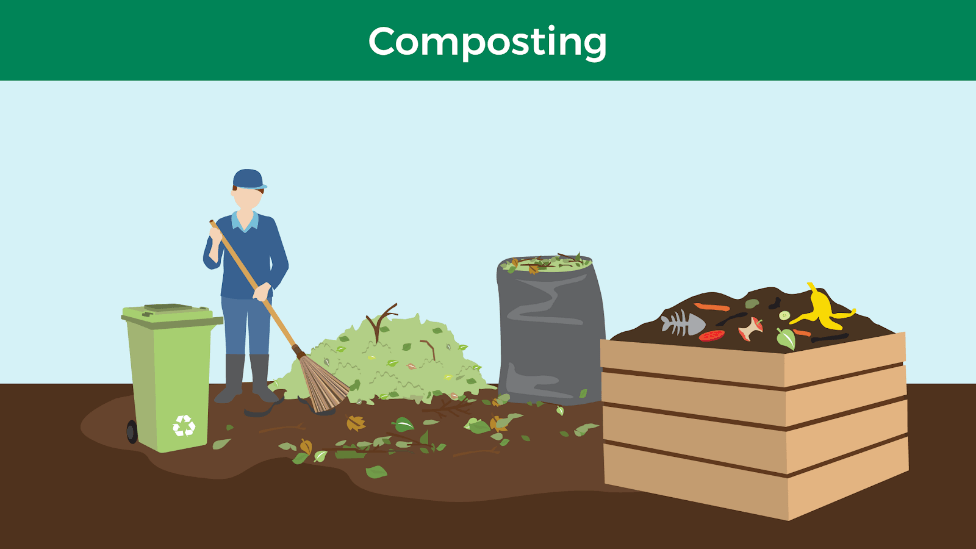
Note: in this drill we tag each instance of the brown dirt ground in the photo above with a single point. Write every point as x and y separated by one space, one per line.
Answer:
548 462
858 326
62 487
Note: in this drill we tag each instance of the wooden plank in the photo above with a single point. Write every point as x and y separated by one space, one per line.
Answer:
695 481
820 442
838 360
719 364
767 449
770 369
765 406
751 492
825 485
817 401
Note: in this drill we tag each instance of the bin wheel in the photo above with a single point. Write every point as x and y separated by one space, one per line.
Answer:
131 432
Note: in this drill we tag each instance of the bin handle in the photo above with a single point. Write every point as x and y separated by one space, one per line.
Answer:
254 285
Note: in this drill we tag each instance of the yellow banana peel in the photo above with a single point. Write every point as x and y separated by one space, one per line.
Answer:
822 312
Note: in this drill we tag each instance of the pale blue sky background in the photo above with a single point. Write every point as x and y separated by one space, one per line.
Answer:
376 187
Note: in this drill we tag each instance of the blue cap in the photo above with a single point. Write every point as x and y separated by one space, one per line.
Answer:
249 179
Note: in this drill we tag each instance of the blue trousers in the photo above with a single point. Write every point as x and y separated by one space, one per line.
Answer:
242 316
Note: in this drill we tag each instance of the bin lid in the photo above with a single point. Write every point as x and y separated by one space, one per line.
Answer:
166 312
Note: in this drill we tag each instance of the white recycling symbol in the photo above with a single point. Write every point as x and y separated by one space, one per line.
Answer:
188 430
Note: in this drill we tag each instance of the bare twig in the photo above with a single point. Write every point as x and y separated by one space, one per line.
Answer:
398 435
433 354
299 427
452 408
376 326
492 451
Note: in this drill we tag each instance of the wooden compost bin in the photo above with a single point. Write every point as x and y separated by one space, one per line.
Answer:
772 434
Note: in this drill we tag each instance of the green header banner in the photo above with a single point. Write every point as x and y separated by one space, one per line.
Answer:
499 40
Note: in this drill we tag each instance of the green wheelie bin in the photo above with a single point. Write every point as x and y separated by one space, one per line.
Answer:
169 347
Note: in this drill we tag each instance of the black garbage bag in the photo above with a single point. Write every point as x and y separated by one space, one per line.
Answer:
551 327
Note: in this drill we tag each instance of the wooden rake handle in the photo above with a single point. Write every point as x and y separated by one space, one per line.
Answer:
254 285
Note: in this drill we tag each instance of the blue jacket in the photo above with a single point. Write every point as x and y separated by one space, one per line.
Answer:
260 249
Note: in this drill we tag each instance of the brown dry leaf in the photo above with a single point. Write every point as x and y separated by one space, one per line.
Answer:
515 262
493 425
306 446
494 402
355 423
533 269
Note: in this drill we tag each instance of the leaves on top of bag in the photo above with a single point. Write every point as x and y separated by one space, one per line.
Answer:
355 423
583 393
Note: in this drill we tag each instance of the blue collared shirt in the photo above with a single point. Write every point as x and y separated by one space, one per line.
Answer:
261 252
237 224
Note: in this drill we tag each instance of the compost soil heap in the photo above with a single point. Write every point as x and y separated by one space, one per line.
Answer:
727 314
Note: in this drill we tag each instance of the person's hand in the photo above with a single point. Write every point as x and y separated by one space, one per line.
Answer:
215 234
261 293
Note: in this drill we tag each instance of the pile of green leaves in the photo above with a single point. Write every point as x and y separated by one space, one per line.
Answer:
382 370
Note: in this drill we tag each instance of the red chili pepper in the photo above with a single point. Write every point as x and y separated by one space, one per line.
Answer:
712 336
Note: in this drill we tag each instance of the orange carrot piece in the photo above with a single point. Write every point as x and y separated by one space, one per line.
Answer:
801 332
711 307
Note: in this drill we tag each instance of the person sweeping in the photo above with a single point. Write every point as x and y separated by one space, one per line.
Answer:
258 245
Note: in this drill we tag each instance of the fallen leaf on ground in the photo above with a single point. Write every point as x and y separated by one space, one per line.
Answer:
287 446
320 455
306 446
300 458
582 429
220 444
403 425
525 438
479 427
375 472
355 423
229 427
430 422
349 454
